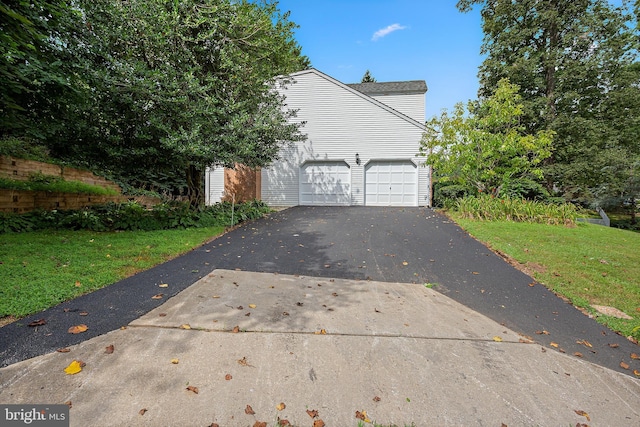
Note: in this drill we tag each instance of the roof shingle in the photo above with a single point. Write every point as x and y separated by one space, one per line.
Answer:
383 88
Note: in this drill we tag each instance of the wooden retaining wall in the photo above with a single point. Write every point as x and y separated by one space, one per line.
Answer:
18 201
20 169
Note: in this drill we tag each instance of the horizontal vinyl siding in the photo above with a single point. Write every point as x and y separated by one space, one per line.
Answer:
215 185
279 186
339 124
411 105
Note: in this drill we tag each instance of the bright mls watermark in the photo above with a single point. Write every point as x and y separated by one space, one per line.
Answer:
34 415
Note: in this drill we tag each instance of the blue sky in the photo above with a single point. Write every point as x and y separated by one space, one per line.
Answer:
396 40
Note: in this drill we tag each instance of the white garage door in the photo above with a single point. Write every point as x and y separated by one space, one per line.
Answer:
325 183
391 183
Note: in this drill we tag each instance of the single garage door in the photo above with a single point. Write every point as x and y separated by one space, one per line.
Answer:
391 183
325 183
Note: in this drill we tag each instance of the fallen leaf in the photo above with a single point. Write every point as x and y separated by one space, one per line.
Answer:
577 354
216 296
63 350
585 343
235 329
554 345
163 285
175 361
583 414
321 332
474 272
299 304
283 423
214 424
83 313
376 399
252 306
162 314
38 322
228 377
362 416
532 284
624 365
542 332
614 345
334 294
313 413
109 349
280 406
497 339
249 410
157 296
68 403
73 368
142 411
77 329
193 389
327 266
78 284
318 423
243 362
405 263
635 356
240 307
636 373
185 326
259 424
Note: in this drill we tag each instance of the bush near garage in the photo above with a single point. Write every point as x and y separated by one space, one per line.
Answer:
133 216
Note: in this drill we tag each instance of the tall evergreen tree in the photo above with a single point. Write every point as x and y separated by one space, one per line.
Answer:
367 78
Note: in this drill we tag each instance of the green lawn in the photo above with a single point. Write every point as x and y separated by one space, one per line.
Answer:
41 269
588 264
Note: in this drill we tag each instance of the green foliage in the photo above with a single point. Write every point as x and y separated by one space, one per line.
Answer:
132 216
24 148
490 208
148 92
179 86
368 78
485 147
576 63
55 184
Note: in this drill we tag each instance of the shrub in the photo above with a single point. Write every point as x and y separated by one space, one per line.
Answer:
489 208
132 216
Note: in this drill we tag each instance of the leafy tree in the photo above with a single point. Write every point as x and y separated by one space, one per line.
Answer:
367 78
484 146
572 61
179 86
36 75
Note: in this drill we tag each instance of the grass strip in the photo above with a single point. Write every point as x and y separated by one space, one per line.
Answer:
43 268
588 264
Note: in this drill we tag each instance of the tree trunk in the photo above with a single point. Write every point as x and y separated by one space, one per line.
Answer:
194 186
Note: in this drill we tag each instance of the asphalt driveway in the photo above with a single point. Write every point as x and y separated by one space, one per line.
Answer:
407 245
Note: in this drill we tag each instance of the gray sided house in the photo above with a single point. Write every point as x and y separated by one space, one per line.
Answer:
361 148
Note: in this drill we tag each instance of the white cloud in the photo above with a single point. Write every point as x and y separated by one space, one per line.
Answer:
387 30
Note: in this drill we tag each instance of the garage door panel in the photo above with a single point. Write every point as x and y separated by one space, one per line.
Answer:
391 183
325 183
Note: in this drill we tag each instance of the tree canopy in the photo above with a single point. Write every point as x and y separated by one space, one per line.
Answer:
574 61
367 78
484 146
170 88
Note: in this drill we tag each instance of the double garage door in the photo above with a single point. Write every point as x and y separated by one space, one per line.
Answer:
386 183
